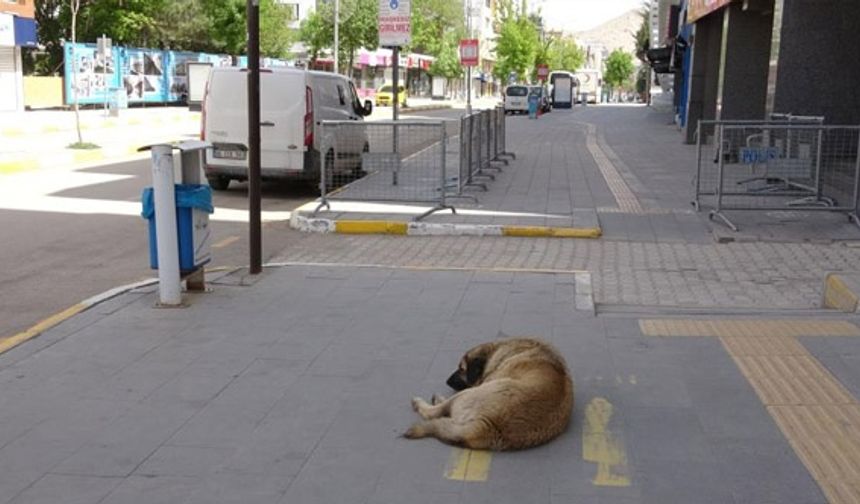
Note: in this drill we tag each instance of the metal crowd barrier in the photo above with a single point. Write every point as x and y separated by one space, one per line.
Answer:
482 144
403 161
785 164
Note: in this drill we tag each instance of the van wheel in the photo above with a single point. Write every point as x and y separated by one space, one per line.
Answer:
218 182
357 172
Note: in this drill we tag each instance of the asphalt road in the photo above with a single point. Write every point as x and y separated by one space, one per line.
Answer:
53 258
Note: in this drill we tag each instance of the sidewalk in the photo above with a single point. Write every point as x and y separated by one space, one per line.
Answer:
40 139
293 386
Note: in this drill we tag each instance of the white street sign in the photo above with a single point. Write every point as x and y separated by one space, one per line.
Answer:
395 23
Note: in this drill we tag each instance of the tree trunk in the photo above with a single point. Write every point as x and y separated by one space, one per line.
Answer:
75 5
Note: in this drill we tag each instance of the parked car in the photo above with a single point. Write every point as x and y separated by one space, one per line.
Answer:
516 99
292 102
385 96
543 94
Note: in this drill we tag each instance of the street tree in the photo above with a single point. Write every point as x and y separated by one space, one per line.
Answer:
357 28
447 62
432 22
619 69
517 41
565 54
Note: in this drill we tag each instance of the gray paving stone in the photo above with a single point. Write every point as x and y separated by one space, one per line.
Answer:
152 490
67 489
760 471
183 461
682 481
666 434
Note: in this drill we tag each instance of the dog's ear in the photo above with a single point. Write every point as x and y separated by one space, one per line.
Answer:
475 370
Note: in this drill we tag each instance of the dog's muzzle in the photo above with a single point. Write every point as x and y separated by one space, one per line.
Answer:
456 382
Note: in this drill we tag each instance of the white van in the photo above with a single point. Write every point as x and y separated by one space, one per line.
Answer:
292 102
517 99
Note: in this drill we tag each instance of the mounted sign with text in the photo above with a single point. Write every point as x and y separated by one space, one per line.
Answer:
542 72
698 9
395 23
469 52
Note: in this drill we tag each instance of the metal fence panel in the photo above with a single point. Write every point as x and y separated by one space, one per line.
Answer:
402 161
769 166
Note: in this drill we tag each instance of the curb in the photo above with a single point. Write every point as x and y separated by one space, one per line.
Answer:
382 227
841 292
56 319
426 108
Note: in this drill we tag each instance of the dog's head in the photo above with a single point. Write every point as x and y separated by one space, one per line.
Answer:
470 371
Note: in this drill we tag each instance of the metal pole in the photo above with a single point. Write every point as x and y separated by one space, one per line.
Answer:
395 76
469 68
104 73
254 205
167 241
336 33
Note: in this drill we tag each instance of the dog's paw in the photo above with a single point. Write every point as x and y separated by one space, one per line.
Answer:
437 399
418 403
417 431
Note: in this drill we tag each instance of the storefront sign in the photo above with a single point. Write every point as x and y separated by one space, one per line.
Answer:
701 8
395 23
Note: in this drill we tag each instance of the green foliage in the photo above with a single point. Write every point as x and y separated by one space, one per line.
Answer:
317 30
619 68
517 43
564 54
433 22
357 28
126 22
447 63
217 26
642 36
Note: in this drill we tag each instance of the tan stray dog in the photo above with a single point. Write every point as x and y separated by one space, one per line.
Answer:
513 394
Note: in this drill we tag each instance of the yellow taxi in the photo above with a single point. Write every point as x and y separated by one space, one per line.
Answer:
384 96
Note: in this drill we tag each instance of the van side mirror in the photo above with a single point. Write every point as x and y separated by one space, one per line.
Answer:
368 107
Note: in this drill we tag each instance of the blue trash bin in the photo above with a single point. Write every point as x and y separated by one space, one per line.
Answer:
193 206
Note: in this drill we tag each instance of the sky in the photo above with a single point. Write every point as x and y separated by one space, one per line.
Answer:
577 15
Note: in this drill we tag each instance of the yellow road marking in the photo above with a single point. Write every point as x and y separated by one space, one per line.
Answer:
551 232
603 447
818 416
370 227
13 341
226 241
468 465
838 295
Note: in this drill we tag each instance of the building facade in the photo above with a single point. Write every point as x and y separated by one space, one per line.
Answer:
17 30
749 59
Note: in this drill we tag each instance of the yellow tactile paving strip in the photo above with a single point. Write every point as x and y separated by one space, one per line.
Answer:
745 328
818 416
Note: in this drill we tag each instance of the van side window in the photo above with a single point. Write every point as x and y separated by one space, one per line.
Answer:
341 94
356 102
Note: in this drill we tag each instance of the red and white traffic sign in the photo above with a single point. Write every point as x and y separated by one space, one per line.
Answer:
469 52
542 71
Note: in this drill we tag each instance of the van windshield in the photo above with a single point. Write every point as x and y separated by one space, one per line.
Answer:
517 91
389 88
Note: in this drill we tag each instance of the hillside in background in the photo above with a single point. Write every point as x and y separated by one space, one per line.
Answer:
615 33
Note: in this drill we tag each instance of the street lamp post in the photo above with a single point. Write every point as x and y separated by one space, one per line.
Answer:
336 32
469 68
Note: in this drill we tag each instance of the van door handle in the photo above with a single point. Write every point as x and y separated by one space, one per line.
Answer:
267 124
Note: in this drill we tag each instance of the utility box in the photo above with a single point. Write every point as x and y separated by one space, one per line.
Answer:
193 206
